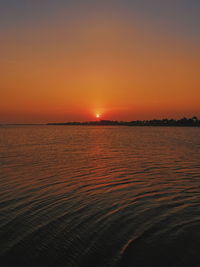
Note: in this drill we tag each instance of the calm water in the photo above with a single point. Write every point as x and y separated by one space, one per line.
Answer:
99 196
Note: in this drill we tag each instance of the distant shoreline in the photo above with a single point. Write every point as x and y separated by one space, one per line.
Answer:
184 122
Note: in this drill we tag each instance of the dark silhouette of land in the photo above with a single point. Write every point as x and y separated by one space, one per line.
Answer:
184 122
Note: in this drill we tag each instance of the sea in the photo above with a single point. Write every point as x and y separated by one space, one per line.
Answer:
99 196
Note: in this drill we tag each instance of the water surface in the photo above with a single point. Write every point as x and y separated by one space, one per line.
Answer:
99 196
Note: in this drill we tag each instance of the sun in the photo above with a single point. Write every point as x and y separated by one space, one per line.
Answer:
97 116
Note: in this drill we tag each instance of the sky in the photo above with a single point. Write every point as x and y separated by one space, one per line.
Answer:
124 59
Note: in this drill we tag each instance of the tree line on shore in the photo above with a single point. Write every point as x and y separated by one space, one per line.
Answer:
194 122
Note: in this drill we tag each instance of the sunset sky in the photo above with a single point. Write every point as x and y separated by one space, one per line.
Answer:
126 60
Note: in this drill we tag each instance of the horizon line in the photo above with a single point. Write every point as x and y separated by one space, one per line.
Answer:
104 120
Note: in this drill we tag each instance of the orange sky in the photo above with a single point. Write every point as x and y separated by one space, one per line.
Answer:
121 67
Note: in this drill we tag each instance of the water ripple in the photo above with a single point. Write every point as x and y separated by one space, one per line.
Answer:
99 196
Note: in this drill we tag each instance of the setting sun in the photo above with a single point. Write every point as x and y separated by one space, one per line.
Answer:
97 115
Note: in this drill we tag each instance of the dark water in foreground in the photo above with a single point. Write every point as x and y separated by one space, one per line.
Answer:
99 196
